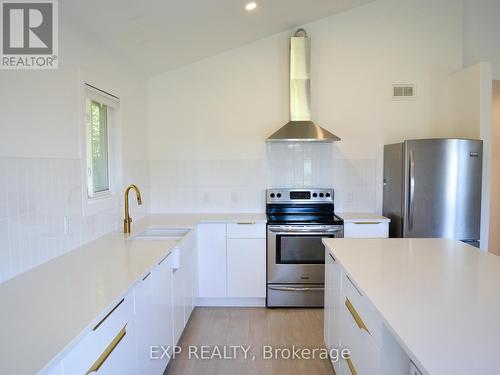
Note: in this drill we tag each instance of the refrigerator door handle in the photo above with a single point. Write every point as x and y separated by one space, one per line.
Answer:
411 200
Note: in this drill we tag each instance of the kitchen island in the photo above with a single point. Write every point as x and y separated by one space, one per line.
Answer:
437 299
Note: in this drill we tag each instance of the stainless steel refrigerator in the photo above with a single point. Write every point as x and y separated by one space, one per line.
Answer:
432 188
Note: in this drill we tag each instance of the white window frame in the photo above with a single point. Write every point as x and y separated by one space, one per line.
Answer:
106 200
90 170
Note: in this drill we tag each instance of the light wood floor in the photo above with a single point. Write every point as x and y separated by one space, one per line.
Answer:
257 327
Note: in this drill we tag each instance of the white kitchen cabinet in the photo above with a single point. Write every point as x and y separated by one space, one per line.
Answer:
110 346
179 301
333 308
144 317
246 268
246 230
188 253
361 229
351 322
212 260
327 313
153 318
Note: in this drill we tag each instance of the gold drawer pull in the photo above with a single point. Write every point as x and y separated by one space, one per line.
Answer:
366 222
351 366
246 223
107 352
356 316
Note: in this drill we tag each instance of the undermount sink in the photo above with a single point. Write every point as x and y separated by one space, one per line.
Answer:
161 234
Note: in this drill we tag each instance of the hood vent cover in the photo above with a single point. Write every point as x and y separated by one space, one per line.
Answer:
300 128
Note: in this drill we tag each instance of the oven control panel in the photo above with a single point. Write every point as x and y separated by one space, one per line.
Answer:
299 196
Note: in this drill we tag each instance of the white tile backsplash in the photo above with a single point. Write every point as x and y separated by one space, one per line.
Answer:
238 185
41 210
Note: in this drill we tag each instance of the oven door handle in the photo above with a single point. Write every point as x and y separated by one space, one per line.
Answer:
293 289
309 231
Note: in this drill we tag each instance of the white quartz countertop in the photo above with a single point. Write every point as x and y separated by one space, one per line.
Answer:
364 217
439 297
46 308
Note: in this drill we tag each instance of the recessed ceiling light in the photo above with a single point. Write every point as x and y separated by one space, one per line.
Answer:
251 6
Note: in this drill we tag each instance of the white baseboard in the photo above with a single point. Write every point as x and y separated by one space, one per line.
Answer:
231 302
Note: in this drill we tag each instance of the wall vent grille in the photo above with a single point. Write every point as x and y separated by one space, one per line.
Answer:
403 91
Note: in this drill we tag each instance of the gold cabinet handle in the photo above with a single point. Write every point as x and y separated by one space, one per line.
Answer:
107 352
246 222
351 366
356 316
367 222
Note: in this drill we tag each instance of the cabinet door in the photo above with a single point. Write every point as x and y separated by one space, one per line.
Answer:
122 359
162 324
246 268
328 298
189 261
144 321
332 305
212 260
179 302
109 345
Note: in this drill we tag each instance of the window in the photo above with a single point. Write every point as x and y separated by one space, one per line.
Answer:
97 149
100 131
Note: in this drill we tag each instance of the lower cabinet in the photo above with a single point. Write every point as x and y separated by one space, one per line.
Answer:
332 311
135 336
109 348
366 229
153 318
232 262
246 268
212 260
179 279
352 323
185 285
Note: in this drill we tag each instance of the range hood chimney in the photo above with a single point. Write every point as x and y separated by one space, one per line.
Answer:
300 128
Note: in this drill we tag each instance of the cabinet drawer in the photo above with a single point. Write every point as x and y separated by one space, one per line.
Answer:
365 356
110 332
246 230
359 311
366 230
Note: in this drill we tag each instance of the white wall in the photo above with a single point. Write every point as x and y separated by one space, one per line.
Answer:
494 239
472 119
208 121
482 33
41 155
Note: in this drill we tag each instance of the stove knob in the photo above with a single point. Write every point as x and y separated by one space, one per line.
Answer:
279 195
321 195
315 195
328 195
273 195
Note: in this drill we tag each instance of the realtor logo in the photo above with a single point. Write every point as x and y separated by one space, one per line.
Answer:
29 34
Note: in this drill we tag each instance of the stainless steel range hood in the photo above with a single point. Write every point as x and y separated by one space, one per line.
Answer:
300 128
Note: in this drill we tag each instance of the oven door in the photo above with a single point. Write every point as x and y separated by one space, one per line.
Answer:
297 254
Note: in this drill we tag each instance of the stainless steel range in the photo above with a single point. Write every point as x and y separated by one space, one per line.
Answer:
297 220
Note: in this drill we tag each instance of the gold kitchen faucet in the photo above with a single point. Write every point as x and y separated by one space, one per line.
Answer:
128 219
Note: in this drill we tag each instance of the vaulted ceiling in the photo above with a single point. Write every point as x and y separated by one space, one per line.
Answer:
158 36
